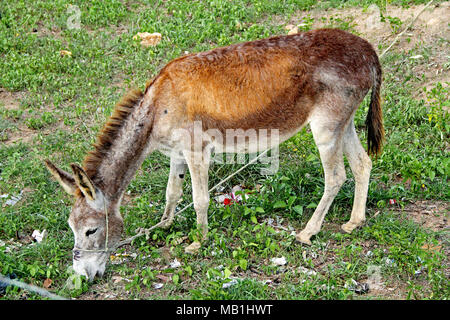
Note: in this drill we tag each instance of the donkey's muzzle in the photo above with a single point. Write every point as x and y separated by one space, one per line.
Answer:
76 255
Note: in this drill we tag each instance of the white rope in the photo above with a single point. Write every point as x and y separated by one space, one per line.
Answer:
29 287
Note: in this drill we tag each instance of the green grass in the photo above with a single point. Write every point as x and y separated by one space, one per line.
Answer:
66 99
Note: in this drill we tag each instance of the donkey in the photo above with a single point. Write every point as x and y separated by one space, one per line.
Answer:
281 83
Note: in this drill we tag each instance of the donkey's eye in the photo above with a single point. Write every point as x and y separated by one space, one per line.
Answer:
90 231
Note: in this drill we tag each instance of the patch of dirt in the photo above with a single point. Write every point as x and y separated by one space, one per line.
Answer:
430 214
26 135
23 134
431 25
389 289
20 132
433 215
44 32
10 100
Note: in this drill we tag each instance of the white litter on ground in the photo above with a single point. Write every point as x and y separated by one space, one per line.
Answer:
39 236
12 199
307 271
229 284
158 285
175 264
279 261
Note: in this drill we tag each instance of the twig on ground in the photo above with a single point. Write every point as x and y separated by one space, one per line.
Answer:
409 25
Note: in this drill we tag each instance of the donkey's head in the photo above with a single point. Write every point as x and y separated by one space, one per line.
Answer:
95 221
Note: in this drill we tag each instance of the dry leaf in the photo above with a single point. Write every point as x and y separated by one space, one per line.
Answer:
163 278
140 35
65 53
47 283
289 27
148 39
430 247
116 279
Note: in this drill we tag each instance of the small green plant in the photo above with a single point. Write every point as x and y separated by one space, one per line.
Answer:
306 23
438 101
47 118
395 23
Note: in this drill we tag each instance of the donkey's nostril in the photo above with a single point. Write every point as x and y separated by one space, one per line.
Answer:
76 254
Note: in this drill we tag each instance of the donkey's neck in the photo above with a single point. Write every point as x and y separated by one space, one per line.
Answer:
126 151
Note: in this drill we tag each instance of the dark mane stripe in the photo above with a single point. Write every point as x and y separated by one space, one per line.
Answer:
108 134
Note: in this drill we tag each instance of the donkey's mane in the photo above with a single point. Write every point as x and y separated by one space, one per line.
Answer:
108 134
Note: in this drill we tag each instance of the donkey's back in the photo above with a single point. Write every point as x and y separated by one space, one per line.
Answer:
275 82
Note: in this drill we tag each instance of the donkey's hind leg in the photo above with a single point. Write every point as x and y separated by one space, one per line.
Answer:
328 138
361 165
174 189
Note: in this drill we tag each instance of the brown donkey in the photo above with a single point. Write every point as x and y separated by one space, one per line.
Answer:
278 84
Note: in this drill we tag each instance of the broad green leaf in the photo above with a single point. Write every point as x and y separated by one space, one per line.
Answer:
279 204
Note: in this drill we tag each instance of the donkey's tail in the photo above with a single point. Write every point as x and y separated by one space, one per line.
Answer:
374 120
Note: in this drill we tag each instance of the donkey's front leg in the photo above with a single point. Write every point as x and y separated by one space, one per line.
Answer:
174 189
198 167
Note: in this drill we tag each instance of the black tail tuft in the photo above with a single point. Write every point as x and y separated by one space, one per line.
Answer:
374 120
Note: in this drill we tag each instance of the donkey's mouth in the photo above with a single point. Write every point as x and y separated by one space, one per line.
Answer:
90 268
99 273
91 274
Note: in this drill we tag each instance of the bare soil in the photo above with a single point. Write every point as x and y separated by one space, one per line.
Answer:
430 214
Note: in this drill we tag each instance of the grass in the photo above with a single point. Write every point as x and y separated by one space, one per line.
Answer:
64 100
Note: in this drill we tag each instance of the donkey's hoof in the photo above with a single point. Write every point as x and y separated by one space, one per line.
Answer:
303 238
193 248
350 226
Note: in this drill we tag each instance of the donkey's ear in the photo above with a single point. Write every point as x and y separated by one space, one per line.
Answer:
64 178
83 182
